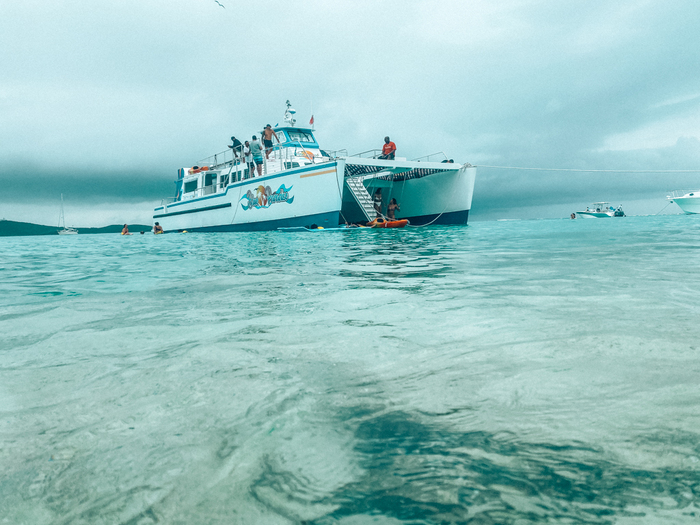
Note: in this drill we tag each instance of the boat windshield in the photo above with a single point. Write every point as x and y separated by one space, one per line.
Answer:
300 136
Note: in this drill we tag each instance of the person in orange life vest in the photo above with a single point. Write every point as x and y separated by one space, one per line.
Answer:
388 150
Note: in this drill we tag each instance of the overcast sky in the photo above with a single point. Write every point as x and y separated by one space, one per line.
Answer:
104 100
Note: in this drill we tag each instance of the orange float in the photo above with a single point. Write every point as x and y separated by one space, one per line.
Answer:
379 223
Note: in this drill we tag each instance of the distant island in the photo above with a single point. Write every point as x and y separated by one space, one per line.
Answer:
13 228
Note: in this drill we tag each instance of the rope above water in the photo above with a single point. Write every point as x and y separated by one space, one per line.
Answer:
586 170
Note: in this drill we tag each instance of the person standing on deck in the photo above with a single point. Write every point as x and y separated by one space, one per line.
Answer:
388 150
256 150
377 199
391 209
268 133
249 160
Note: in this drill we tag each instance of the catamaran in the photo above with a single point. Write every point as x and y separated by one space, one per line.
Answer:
303 185
62 223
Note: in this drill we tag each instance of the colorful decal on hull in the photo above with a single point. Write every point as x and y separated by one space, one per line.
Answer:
264 198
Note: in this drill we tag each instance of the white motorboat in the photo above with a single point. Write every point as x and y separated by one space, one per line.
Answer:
688 201
62 223
599 210
303 185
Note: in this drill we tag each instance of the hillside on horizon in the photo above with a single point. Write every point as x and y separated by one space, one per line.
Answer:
15 228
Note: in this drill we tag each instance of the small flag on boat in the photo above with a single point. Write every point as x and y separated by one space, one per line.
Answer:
312 120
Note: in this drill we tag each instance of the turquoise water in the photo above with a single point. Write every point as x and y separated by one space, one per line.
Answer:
505 372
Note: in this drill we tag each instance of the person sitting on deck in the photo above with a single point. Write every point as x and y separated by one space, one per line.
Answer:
391 210
236 146
388 149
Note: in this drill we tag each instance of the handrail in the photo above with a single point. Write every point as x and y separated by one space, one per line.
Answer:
418 159
375 153
334 154
677 194
213 160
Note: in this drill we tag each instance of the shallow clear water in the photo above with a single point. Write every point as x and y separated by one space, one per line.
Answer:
505 372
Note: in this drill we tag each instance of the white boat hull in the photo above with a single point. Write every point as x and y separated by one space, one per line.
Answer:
427 193
593 214
299 197
688 204
442 198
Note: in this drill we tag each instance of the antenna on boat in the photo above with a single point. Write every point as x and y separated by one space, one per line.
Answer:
289 114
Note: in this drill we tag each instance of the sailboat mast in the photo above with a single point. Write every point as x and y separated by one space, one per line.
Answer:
61 218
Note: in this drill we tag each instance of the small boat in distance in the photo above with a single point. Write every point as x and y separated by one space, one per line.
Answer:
599 210
687 201
62 223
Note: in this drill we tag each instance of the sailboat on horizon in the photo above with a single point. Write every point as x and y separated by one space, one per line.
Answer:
62 223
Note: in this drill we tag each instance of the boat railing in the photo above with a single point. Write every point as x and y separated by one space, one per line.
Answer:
369 154
428 158
280 151
169 200
677 194
231 170
218 159
334 154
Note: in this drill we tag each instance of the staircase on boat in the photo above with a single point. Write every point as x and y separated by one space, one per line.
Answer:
362 196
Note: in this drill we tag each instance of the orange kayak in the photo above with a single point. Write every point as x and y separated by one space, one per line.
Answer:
379 223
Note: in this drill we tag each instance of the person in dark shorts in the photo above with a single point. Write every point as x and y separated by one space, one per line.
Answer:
256 150
236 146
388 149
268 133
248 155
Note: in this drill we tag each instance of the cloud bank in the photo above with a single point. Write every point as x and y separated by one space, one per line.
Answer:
104 101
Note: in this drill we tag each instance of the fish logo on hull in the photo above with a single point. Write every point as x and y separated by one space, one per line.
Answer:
264 198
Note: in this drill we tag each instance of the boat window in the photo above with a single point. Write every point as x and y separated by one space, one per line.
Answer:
209 178
190 186
290 165
300 136
282 136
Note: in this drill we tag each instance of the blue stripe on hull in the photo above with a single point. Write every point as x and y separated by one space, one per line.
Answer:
453 217
327 220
